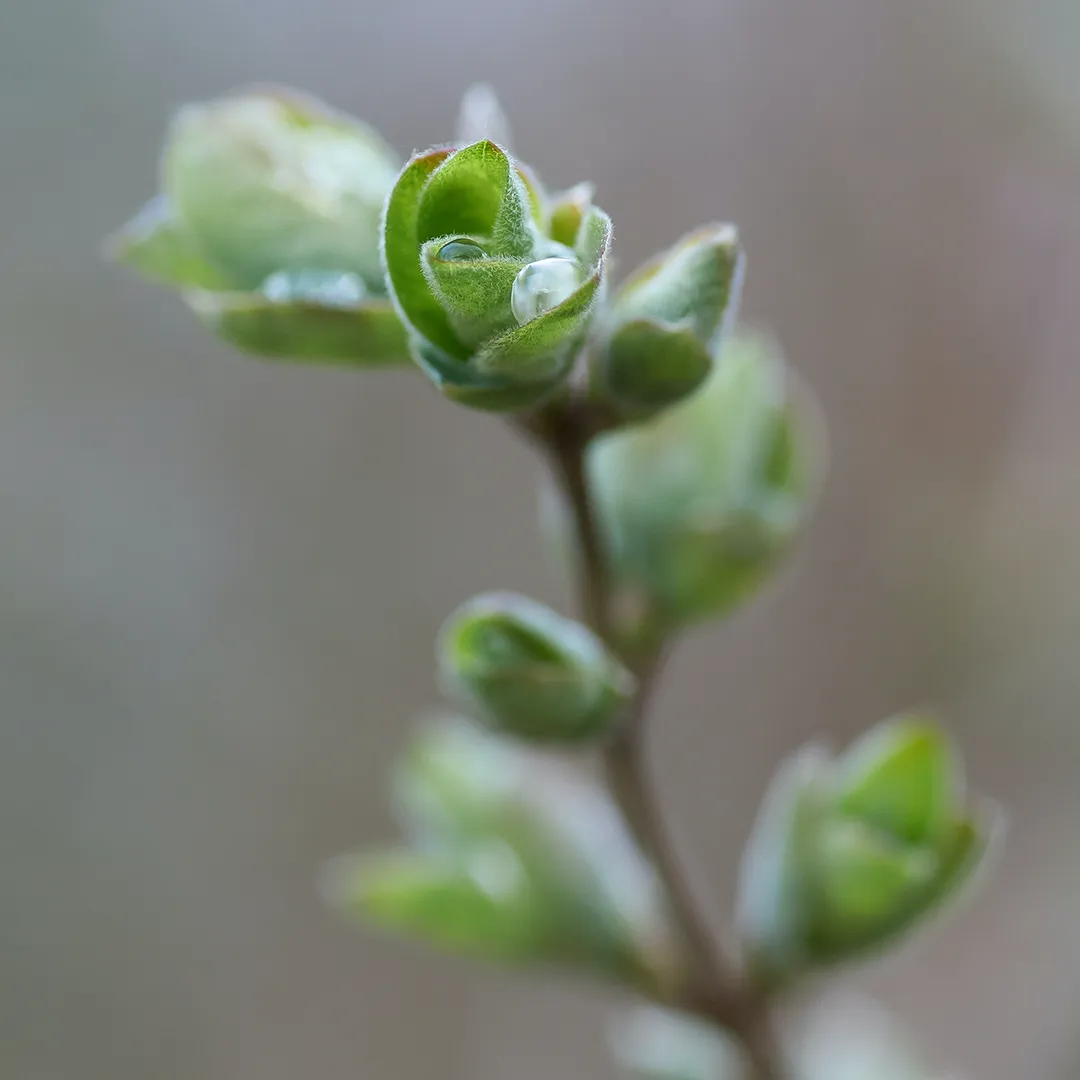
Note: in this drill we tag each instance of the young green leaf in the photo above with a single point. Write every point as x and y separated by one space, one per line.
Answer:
540 350
775 898
364 334
156 244
588 897
465 193
480 905
697 283
650 366
567 211
401 254
475 292
902 778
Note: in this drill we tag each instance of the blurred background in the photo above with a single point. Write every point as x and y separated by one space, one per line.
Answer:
220 580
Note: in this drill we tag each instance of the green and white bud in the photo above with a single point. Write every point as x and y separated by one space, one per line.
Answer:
699 504
269 224
278 182
515 858
850 854
498 310
529 672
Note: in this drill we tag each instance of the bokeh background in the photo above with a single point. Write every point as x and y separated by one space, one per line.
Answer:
219 581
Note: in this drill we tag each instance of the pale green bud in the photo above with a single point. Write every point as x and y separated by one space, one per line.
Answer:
530 672
850 854
271 182
698 505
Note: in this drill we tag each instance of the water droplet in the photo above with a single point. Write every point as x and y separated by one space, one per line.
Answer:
330 288
461 251
542 285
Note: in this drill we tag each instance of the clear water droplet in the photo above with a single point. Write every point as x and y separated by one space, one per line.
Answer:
330 288
461 251
542 285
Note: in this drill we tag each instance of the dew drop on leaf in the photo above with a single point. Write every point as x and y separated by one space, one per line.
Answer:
543 285
461 251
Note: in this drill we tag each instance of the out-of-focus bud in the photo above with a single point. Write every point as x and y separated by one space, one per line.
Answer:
278 182
496 307
698 505
531 673
268 221
567 210
668 320
650 1043
515 858
482 117
850 854
843 1036
480 903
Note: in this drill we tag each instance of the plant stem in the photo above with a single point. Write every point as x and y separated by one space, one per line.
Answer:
718 990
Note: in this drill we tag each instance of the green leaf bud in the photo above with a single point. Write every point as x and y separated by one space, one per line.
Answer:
482 117
515 858
668 320
530 672
773 915
269 224
497 308
480 905
854 853
903 779
698 505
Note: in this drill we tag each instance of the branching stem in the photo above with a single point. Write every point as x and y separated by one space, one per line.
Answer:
718 990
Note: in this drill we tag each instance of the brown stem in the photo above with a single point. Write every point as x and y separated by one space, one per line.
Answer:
718 991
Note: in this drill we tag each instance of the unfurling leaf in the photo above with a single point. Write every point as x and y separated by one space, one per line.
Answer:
497 308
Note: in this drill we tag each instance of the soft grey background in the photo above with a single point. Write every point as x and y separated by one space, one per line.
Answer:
219 581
